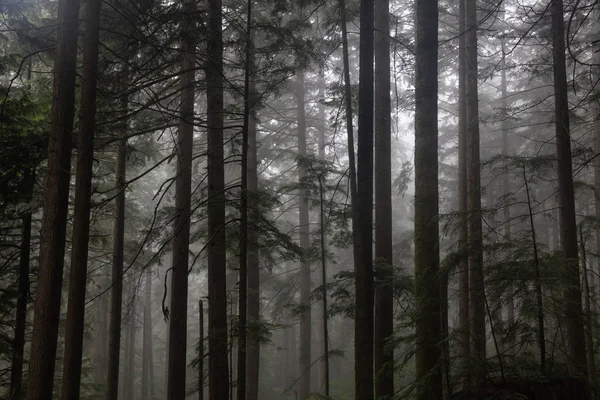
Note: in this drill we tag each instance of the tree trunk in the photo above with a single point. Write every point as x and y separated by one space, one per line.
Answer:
573 308
304 360
427 288
201 351
217 292
176 388
243 273
16 370
463 234
589 336
293 358
101 334
148 363
56 199
384 294
81 221
510 300
475 247
116 290
253 304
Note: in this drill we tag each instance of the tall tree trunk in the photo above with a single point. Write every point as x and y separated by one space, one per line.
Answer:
253 304
116 290
510 299
475 247
201 350
243 281
322 380
147 363
81 220
384 294
538 282
363 264
349 122
589 336
463 233
568 228
176 388
16 369
56 198
217 292
427 288
304 360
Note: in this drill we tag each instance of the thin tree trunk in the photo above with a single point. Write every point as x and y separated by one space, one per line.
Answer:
463 238
589 336
81 221
16 370
538 283
147 365
384 300
475 249
510 300
217 292
177 366
116 290
573 309
101 334
243 281
349 126
56 199
201 350
363 264
304 360
427 288
253 310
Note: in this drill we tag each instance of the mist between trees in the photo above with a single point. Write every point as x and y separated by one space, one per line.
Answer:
351 199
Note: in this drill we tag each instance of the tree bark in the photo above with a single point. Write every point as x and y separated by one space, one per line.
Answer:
177 366
427 288
568 228
384 294
243 273
217 293
475 247
116 290
81 221
589 335
304 360
16 370
56 199
363 265
201 351
463 232
129 370
253 304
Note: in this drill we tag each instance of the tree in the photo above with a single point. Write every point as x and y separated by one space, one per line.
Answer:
148 356
384 300
428 328
181 240
81 219
463 241
116 288
217 293
56 198
363 264
243 281
475 247
568 226
304 358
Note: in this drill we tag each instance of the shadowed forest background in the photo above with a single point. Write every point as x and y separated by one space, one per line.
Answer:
374 199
